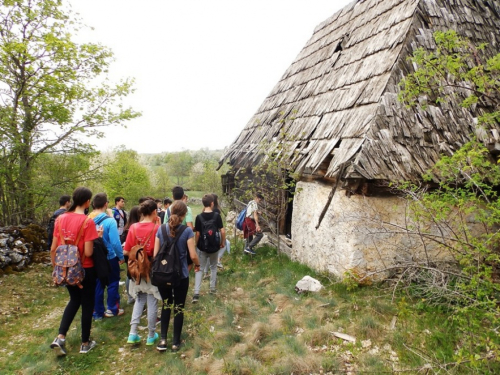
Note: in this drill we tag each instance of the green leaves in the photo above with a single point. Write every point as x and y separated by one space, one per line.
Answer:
462 215
454 68
53 92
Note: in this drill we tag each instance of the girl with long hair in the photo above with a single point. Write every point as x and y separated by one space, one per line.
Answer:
143 233
176 296
70 225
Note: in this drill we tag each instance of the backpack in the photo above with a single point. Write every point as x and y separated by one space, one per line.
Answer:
167 269
138 261
100 255
209 241
241 218
68 266
52 221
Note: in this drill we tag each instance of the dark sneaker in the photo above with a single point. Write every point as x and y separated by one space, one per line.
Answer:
84 349
213 291
250 251
59 344
162 346
196 298
176 347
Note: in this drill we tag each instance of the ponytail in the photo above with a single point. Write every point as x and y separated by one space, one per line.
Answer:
178 212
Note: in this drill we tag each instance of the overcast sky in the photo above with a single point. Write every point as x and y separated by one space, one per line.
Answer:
202 67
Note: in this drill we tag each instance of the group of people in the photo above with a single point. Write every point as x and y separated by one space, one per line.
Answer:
120 233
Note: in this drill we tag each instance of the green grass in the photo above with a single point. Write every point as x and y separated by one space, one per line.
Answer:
256 324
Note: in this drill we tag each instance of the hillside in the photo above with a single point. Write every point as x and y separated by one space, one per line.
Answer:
256 324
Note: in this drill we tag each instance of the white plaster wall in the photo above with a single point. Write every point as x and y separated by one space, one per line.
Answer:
361 234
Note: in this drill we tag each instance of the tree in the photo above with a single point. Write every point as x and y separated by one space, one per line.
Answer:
161 183
179 166
53 94
124 175
461 216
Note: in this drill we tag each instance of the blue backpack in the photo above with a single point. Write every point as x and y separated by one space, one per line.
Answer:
241 218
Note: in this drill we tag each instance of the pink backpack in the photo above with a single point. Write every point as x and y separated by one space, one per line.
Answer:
68 267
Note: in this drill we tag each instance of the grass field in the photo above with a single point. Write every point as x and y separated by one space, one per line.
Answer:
256 324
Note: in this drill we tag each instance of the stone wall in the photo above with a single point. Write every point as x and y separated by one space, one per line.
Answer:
18 244
360 234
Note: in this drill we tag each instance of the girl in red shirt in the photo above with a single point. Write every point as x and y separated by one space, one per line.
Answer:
143 233
69 224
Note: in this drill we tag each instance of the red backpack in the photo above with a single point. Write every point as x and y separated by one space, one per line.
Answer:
68 266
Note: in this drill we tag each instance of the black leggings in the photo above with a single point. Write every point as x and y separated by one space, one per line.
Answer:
84 297
176 297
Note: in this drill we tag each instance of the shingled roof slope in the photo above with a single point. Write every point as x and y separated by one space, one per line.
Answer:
338 99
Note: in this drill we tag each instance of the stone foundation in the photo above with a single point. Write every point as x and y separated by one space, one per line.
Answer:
358 234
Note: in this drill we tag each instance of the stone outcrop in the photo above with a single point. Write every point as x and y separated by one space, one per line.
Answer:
18 244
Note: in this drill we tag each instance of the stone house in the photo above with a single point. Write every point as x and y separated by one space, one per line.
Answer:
351 136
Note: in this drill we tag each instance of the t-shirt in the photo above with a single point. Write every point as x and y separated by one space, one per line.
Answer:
207 216
70 224
138 233
251 208
182 245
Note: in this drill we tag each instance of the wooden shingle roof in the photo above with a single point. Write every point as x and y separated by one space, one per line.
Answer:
338 99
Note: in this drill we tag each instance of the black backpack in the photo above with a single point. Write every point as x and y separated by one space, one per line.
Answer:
209 241
167 268
100 256
52 221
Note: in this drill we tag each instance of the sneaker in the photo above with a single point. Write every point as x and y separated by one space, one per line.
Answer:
59 344
250 251
133 339
196 298
152 340
130 301
213 291
219 265
97 318
176 348
87 348
162 346
109 314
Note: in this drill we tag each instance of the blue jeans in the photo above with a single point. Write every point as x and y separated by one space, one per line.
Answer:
113 300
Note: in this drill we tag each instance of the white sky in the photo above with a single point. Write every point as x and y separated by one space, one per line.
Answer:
202 67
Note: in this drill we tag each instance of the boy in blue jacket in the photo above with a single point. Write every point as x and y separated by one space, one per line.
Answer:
111 239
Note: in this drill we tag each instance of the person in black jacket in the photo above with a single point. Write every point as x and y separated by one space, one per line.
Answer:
64 203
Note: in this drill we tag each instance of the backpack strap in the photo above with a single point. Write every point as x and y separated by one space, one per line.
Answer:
105 217
150 234
164 233
77 237
147 239
180 229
